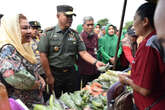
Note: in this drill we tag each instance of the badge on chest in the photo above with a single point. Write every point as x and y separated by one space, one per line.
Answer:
56 49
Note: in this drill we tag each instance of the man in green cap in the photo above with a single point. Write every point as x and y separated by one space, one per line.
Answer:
58 49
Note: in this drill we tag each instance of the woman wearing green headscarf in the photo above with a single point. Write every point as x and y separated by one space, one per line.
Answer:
107 46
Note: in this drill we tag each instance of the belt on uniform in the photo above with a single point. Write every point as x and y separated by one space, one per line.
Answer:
64 69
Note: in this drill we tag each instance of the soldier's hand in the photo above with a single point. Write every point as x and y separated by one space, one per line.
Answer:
50 82
99 64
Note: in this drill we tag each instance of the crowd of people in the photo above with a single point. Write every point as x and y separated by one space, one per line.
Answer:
62 59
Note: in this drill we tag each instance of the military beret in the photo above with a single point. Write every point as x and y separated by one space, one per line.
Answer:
35 24
68 10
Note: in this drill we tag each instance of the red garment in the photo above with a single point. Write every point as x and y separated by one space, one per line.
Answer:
123 60
91 43
148 71
128 54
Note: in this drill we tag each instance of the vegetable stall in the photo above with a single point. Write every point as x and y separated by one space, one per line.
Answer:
92 97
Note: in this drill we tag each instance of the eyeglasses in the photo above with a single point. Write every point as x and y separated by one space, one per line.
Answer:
90 25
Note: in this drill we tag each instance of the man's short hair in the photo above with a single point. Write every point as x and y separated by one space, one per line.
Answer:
87 18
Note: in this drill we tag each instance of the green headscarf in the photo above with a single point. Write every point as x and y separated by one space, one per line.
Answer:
107 28
79 28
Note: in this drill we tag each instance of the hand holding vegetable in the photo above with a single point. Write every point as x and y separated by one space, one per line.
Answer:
99 64
124 78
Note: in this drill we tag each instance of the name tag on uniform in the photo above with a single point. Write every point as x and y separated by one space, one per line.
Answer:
71 38
74 42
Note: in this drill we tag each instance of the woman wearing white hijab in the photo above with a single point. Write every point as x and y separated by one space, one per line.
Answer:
17 60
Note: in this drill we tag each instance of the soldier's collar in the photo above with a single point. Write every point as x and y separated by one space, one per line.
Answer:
69 30
58 29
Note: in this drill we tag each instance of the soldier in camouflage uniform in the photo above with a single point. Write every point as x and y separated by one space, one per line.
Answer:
58 50
35 28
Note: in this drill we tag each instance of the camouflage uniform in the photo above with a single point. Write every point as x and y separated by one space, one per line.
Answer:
34 44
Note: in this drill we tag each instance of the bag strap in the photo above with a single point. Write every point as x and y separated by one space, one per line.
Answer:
156 102
111 105
112 102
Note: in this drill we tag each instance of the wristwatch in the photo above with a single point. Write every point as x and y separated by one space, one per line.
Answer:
95 62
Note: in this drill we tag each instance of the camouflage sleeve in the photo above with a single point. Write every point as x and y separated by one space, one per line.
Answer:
80 43
43 44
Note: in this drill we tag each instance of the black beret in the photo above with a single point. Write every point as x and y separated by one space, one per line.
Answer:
35 24
68 10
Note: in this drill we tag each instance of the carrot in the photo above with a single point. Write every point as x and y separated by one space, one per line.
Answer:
87 87
96 89
95 94
97 84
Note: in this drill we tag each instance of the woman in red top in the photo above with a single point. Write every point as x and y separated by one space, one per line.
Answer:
148 69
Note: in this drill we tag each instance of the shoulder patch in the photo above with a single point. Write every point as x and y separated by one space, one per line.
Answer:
49 29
